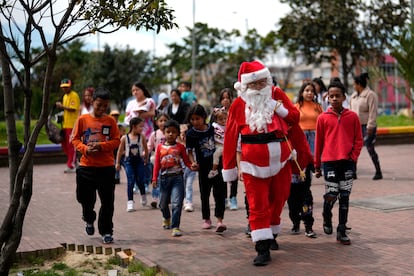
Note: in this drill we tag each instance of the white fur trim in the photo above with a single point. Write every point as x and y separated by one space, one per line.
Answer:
230 174
274 163
254 76
276 229
282 111
262 234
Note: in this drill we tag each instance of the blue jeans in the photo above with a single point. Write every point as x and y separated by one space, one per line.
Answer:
172 188
310 137
189 177
135 175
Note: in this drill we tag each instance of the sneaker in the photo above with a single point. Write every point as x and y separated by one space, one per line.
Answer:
176 232
107 238
188 207
309 233
69 170
295 229
327 227
220 228
144 200
212 174
154 204
166 224
136 190
90 229
233 203
206 224
130 206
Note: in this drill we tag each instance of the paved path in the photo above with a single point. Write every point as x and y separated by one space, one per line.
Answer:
381 217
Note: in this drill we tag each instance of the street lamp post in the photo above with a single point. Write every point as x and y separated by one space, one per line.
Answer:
193 53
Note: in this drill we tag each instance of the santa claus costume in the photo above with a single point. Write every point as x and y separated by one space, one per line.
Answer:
261 118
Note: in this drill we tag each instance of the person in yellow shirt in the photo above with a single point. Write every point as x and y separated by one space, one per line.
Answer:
70 105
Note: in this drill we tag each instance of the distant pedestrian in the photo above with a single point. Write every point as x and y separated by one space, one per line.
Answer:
169 157
189 175
309 110
218 120
226 99
338 145
134 146
200 140
95 136
364 102
321 92
70 105
187 95
86 105
177 109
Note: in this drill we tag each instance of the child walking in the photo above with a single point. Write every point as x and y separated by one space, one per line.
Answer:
189 175
96 135
338 145
134 146
218 121
157 137
200 140
300 200
169 157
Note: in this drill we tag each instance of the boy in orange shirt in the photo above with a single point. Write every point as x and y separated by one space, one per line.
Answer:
96 136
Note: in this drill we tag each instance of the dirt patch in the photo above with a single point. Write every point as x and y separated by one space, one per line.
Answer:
86 263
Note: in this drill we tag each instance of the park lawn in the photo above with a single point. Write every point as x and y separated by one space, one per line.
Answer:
383 121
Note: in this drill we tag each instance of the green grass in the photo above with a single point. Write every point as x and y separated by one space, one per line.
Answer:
394 120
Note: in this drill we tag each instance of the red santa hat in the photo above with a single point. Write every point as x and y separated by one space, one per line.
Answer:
250 72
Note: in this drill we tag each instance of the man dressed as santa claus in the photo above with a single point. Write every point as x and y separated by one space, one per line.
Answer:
260 116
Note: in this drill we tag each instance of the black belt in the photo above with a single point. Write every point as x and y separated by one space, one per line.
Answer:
261 138
172 174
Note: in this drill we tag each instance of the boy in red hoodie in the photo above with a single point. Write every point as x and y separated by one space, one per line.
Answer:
338 145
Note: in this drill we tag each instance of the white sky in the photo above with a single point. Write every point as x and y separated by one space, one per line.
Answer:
223 14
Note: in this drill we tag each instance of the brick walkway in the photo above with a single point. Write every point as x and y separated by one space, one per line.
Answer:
382 241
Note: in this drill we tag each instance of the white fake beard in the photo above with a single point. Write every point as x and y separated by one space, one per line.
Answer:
258 110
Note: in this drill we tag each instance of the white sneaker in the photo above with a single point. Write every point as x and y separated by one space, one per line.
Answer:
69 170
143 200
130 206
188 207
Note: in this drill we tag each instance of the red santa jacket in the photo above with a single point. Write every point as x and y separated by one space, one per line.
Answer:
261 160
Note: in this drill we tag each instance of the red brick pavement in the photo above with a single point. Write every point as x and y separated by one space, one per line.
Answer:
382 242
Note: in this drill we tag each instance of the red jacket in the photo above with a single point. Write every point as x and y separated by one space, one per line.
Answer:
338 137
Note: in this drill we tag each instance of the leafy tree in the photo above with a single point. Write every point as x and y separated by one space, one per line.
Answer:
403 52
358 31
53 25
116 69
218 56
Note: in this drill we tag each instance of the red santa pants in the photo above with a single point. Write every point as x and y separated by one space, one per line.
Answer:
266 198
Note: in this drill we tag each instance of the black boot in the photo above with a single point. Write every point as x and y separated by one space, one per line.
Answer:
341 235
378 173
273 243
263 253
